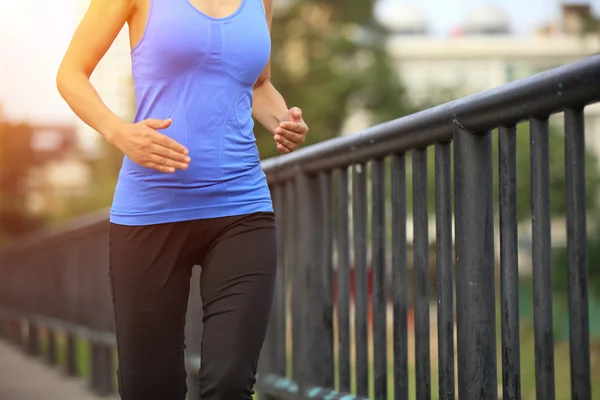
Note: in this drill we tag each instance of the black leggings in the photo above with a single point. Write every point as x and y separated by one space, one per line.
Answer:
150 269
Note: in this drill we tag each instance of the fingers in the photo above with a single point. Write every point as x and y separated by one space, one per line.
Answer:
291 136
158 123
165 162
282 149
158 167
169 154
291 146
165 141
299 128
296 113
162 152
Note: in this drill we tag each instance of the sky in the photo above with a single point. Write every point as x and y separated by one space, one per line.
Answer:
34 35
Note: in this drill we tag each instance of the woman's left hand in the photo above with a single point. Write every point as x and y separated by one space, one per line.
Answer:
291 132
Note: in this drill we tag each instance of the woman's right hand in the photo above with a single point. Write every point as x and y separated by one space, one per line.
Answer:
141 143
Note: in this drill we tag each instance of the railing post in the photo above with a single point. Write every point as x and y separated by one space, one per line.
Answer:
52 356
16 331
310 281
71 355
579 324
473 191
343 279
102 368
421 275
33 340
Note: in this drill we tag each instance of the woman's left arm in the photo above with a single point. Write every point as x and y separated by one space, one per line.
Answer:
270 109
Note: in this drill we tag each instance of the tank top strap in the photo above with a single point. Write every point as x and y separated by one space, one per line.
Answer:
254 7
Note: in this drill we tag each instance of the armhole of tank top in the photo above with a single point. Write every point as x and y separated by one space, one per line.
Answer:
264 8
146 25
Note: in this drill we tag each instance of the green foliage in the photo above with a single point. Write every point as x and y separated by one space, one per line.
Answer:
560 266
558 200
558 205
328 59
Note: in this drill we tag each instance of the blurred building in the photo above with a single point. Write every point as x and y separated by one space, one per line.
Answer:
483 53
112 79
60 172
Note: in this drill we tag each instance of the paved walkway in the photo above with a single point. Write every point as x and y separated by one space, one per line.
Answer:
23 378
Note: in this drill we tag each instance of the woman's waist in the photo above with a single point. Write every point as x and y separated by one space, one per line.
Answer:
200 171
185 189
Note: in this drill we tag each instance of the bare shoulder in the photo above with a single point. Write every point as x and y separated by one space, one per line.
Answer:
100 25
123 7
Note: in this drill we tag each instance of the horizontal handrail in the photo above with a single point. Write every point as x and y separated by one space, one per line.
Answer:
576 85
63 231
541 94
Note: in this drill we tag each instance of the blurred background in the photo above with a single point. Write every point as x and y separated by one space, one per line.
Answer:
349 64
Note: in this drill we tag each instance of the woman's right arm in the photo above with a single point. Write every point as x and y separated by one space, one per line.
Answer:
141 142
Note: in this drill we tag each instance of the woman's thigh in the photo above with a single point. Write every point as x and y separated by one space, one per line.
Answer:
237 281
150 268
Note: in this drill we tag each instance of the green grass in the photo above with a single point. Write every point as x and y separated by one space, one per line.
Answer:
83 358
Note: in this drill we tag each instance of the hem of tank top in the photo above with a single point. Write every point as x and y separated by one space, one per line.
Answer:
189 214
217 19
146 25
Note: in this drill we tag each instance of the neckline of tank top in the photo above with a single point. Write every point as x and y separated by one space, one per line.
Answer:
230 16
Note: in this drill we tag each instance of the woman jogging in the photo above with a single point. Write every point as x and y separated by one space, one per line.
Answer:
191 190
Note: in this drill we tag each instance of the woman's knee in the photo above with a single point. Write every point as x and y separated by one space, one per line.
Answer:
231 380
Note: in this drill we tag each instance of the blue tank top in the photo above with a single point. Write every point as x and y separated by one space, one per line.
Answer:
199 71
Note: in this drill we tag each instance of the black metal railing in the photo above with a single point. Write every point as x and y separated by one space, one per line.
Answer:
334 203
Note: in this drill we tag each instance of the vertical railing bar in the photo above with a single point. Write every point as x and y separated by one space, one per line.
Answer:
72 354
343 280
326 266
52 347
474 243
445 312
359 208
279 307
509 263
291 284
302 374
309 255
579 334
399 277
421 275
378 266
33 342
541 258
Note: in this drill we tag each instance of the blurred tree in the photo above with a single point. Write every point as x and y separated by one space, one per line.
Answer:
560 265
328 58
558 201
16 159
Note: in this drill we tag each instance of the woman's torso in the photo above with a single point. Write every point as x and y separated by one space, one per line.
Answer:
199 71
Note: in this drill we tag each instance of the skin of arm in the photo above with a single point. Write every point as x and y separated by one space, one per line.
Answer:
141 142
270 109
92 39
